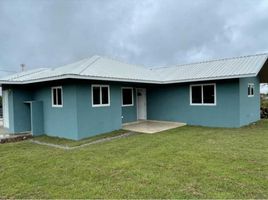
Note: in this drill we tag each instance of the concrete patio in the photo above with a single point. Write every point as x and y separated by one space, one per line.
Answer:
151 126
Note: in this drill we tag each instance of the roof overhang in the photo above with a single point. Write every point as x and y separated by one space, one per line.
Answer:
263 74
71 76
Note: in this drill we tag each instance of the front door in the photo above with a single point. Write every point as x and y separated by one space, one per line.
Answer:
141 104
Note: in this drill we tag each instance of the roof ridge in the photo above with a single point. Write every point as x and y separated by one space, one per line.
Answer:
124 62
88 65
213 60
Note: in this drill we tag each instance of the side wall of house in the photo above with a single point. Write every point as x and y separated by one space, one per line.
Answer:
172 103
97 120
59 121
249 106
77 118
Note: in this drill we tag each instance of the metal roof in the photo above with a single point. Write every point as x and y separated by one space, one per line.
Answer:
245 66
101 68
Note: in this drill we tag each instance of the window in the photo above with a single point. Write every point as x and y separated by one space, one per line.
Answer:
127 96
204 94
100 95
251 90
57 96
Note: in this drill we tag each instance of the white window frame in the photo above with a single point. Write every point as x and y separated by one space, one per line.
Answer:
126 105
100 105
253 86
52 97
202 95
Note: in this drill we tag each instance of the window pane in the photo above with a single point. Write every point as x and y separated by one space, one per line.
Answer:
96 95
105 98
127 96
59 94
196 94
208 92
252 90
54 96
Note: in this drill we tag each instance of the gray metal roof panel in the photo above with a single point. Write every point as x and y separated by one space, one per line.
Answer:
239 66
109 69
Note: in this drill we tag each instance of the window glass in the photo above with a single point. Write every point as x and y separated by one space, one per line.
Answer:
56 96
59 95
54 93
196 94
203 94
100 95
127 96
251 89
96 95
208 94
105 94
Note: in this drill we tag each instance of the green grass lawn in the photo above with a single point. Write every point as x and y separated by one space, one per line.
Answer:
187 162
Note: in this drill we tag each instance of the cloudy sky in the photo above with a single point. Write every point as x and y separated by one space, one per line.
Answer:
49 33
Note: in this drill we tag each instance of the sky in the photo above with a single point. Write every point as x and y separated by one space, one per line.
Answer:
50 33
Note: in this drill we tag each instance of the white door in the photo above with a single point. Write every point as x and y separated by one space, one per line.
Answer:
141 104
5 109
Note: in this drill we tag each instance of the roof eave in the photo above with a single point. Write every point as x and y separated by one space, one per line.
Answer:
210 79
123 80
73 76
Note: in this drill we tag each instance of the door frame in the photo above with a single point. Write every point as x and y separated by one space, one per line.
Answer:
137 104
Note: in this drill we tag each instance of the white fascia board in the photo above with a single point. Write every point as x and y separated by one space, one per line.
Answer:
69 76
209 79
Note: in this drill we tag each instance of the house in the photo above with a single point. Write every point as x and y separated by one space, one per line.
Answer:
97 95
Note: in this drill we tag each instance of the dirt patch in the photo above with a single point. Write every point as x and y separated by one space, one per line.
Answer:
15 138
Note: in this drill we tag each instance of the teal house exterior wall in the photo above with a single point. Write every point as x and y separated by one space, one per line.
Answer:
172 103
59 121
96 120
79 115
129 113
249 106
78 119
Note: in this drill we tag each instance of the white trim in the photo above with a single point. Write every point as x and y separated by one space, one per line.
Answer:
100 105
73 76
126 105
202 95
253 86
52 102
